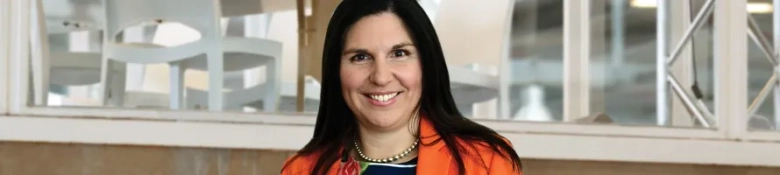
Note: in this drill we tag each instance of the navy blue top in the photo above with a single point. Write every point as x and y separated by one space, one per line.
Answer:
406 168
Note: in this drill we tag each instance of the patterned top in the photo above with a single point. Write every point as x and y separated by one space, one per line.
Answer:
353 167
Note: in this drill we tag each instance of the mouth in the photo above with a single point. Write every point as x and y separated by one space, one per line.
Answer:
383 98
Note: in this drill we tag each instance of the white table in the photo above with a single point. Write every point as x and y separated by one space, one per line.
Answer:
88 14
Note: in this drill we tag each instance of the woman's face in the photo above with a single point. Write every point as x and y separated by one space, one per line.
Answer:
380 72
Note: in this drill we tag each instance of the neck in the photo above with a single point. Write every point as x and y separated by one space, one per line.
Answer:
384 144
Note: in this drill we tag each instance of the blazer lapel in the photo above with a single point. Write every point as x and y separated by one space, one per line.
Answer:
432 158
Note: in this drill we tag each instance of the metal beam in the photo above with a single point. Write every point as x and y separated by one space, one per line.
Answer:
662 68
758 37
776 38
731 69
761 97
687 100
701 17
576 51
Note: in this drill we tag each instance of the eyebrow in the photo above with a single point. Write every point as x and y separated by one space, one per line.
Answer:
401 45
355 50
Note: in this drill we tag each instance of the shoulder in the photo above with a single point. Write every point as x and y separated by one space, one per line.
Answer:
298 165
481 147
482 154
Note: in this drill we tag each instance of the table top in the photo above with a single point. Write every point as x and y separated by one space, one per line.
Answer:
88 14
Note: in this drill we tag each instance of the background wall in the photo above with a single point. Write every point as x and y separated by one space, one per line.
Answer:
483 25
17 158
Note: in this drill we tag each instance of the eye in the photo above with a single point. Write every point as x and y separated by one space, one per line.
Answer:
359 58
400 53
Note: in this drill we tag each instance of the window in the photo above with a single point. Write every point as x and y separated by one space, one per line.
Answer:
251 81
763 91
624 64
574 62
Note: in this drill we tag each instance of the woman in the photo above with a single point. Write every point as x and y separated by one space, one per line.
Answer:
386 105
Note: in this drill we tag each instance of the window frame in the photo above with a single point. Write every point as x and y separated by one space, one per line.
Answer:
768 135
731 74
533 140
19 100
5 27
20 63
576 59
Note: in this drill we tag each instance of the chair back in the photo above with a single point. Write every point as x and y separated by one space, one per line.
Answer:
201 15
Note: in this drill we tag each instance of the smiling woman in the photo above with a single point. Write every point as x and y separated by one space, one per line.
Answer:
387 105
380 73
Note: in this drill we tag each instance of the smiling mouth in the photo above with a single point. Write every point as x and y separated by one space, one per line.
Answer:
383 97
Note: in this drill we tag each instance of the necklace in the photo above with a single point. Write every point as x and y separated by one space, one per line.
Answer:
385 160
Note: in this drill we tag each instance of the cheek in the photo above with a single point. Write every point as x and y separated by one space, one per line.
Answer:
411 79
350 79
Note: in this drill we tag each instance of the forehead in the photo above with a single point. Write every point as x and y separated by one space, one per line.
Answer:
376 32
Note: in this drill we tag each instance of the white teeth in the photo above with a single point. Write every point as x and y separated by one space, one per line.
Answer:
383 98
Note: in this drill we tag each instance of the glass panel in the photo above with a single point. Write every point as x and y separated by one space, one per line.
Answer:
536 62
623 62
73 32
535 57
761 70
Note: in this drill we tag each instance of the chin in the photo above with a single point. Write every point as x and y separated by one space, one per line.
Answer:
385 122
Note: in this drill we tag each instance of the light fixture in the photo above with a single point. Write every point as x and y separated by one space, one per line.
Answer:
753 7
761 7
643 3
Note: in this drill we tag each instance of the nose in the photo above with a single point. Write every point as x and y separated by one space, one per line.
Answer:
381 74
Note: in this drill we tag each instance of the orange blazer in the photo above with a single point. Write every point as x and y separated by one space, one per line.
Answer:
432 159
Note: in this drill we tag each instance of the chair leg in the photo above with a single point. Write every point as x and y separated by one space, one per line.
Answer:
176 85
105 81
119 86
271 97
216 69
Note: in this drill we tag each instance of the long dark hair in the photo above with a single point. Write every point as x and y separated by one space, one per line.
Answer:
336 123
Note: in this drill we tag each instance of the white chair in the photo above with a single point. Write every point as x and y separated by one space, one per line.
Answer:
471 85
60 66
74 69
312 89
261 52
200 15
204 17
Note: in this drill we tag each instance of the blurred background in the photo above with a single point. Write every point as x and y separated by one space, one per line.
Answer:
590 62
271 67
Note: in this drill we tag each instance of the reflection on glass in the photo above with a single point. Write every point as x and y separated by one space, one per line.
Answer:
473 39
623 62
535 91
74 31
762 115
